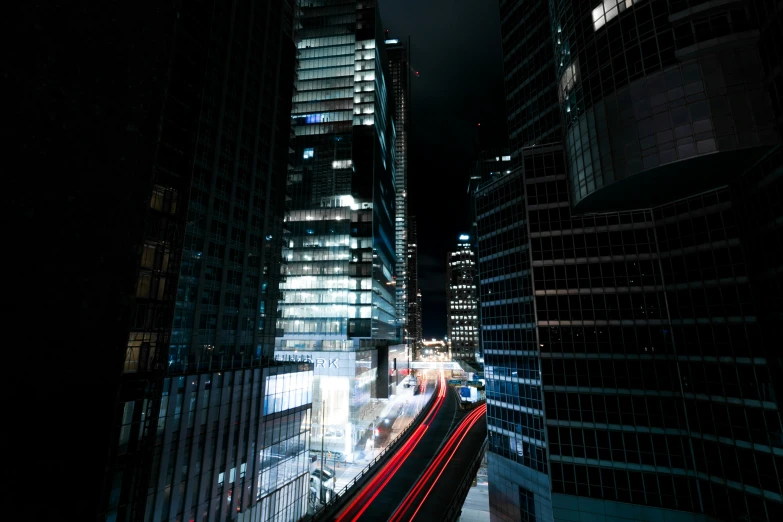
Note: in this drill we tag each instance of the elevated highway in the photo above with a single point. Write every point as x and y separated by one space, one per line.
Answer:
429 473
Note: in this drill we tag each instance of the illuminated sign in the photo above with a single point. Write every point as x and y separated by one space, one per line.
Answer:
318 362
464 237
392 41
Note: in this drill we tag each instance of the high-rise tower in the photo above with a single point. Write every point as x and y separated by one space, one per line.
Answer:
339 243
414 296
628 337
462 310
208 145
399 84
339 247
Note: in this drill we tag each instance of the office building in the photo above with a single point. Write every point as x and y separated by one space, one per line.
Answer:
629 328
399 64
234 444
414 294
339 243
491 163
192 435
462 308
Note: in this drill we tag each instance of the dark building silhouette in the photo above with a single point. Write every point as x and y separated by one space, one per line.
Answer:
340 231
629 325
169 130
192 433
414 295
491 162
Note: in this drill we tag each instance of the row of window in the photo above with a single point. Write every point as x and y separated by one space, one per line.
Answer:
730 420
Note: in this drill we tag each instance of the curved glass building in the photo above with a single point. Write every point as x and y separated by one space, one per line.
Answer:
644 85
630 263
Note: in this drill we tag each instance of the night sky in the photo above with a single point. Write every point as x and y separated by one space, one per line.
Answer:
455 46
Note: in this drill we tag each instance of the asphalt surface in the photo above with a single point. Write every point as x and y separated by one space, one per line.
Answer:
444 490
397 488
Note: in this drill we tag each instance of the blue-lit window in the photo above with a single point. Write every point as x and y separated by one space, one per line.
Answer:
308 153
314 118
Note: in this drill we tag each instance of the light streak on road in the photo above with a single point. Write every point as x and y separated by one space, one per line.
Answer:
415 497
365 497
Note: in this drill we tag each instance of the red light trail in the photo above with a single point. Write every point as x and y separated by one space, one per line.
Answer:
363 500
446 453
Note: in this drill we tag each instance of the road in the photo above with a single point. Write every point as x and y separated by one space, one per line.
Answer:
400 411
435 489
381 496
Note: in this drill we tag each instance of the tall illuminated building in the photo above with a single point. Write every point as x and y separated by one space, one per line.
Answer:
462 309
339 245
399 65
628 262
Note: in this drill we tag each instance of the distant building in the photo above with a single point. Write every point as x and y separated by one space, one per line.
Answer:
462 300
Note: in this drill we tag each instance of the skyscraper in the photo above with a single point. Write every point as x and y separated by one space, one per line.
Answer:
414 295
628 342
399 64
462 310
192 436
339 245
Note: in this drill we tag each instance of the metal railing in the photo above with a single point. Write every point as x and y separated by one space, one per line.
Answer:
368 469
461 491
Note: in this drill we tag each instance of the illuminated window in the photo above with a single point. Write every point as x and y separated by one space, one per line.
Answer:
608 9
308 153
342 164
568 79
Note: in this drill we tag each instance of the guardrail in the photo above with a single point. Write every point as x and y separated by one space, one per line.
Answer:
461 491
382 455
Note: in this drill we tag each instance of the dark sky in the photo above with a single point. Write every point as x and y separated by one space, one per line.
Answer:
455 46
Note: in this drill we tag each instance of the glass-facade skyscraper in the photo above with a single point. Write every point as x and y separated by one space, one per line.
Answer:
339 237
339 246
630 338
399 84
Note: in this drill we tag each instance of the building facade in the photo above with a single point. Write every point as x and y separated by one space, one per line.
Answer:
343 386
207 269
339 245
491 163
628 337
234 445
339 241
399 84
462 307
